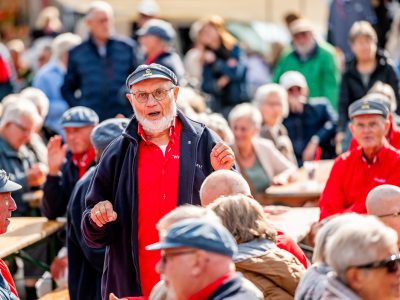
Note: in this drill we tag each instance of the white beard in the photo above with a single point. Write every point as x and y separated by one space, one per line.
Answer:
160 125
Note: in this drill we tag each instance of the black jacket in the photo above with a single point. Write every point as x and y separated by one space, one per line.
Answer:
57 189
85 265
115 180
352 87
233 290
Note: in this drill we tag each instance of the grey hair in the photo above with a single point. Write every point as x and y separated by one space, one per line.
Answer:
386 91
22 108
327 228
359 243
96 6
63 43
248 111
362 28
38 98
218 123
264 91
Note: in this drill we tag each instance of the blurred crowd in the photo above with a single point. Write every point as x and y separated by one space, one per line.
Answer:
65 97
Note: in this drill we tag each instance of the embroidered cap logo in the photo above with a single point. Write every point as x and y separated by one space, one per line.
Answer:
148 72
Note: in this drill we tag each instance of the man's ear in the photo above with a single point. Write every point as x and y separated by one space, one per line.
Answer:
199 262
351 127
387 126
176 92
355 278
130 97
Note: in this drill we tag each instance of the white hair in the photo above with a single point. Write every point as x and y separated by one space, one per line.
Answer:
218 123
264 91
102 6
22 108
248 111
38 98
63 43
359 243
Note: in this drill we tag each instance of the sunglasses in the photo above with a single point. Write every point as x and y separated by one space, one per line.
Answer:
391 264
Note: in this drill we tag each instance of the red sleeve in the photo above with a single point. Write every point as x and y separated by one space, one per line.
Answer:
285 242
7 276
332 198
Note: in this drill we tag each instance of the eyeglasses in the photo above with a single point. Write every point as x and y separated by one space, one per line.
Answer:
158 94
165 256
390 215
391 264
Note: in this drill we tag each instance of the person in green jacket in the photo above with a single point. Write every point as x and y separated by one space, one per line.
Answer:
316 60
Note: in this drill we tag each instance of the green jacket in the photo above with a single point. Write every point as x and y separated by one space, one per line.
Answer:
320 71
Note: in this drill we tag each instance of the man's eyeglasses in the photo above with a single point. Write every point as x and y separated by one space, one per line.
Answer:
391 264
165 256
158 94
390 215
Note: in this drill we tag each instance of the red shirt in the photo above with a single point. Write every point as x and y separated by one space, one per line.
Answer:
206 292
7 276
285 242
352 177
158 177
393 137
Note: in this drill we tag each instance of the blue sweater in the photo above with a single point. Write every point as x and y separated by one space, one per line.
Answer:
116 180
101 80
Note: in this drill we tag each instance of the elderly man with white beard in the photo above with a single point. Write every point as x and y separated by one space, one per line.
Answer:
158 163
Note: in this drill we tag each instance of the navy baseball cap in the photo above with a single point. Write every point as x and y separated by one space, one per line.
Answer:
158 28
6 185
199 234
107 131
79 116
368 106
144 72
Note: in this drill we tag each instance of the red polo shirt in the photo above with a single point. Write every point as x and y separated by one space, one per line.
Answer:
158 177
393 136
206 292
352 177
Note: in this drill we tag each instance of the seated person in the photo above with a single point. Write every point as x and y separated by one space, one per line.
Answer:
260 163
274 271
358 171
365 262
8 290
311 121
272 101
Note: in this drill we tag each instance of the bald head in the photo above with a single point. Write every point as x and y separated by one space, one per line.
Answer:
223 183
383 200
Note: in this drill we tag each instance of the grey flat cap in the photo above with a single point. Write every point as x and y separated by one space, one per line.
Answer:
79 116
6 185
367 106
108 130
199 234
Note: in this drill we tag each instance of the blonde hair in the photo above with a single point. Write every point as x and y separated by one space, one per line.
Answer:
227 39
244 217
362 28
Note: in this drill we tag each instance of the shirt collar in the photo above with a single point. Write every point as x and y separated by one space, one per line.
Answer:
172 132
206 292
377 156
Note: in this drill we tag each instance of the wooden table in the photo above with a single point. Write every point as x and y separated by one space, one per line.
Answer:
296 222
26 231
301 190
61 294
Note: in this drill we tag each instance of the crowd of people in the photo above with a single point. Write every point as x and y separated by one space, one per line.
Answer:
160 162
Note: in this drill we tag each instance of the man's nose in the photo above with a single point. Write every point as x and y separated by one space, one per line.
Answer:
12 206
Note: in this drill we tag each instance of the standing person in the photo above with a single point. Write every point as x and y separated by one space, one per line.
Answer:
314 59
68 162
224 66
358 171
159 163
156 39
50 79
99 66
8 291
368 66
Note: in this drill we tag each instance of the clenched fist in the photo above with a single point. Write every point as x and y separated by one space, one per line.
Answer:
103 213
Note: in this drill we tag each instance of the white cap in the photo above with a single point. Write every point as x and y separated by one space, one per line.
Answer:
292 78
148 8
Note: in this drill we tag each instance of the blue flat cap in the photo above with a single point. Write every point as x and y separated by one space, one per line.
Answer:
368 106
79 116
199 234
107 131
6 185
145 72
159 28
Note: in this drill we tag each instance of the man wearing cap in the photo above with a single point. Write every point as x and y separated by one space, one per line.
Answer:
85 265
196 261
68 162
159 163
358 171
99 65
311 121
156 38
8 290
314 59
